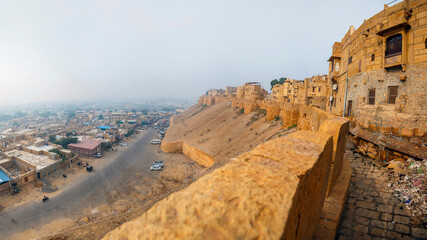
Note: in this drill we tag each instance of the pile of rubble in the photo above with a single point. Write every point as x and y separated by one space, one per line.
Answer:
408 181
407 177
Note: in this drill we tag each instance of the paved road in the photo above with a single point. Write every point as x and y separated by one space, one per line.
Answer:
371 210
89 191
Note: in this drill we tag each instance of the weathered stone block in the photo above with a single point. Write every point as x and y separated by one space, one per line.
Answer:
385 129
418 132
336 127
406 132
264 194
171 147
197 155
395 131
373 127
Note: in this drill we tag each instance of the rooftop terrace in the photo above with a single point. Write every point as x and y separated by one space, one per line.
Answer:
38 161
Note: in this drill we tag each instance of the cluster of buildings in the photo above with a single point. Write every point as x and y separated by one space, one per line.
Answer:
31 147
377 77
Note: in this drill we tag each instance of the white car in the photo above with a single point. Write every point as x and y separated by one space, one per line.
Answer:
156 141
97 155
158 163
155 168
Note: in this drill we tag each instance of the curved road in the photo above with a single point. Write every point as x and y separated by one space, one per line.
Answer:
89 191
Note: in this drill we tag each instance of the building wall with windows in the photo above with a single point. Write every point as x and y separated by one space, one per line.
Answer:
317 91
385 62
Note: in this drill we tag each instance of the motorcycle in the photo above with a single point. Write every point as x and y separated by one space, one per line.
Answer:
45 198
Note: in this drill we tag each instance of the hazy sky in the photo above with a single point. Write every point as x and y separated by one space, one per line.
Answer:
65 50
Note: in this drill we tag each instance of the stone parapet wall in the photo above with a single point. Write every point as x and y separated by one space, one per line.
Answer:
171 147
306 118
262 194
314 119
197 155
192 152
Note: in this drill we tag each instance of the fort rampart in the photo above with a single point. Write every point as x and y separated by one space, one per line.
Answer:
264 193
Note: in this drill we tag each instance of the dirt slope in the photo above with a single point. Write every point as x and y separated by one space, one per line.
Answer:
221 131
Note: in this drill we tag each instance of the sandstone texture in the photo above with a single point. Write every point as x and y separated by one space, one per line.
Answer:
274 191
219 132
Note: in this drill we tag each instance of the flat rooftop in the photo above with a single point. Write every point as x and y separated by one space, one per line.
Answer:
44 147
4 160
38 161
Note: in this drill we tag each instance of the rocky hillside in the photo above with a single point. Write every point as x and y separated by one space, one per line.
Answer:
221 131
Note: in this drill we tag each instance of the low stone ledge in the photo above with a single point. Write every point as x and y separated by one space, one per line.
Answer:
274 191
193 153
394 143
197 155
171 147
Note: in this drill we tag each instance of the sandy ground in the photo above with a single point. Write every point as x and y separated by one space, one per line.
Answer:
56 183
178 174
222 131
219 130
52 184
127 202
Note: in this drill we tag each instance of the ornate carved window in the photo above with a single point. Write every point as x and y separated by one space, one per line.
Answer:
393 45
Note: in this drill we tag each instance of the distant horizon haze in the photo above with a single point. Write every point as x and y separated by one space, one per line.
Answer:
73 50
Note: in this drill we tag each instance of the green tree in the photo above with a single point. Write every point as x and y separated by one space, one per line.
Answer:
52 138
55 150
106 145
68 134
274 82
65 141
282 80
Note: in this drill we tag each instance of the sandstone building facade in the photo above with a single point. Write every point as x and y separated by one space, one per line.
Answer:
378 78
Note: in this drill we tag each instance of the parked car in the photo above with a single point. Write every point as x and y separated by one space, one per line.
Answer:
156 141
158 163
155 168
97 155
